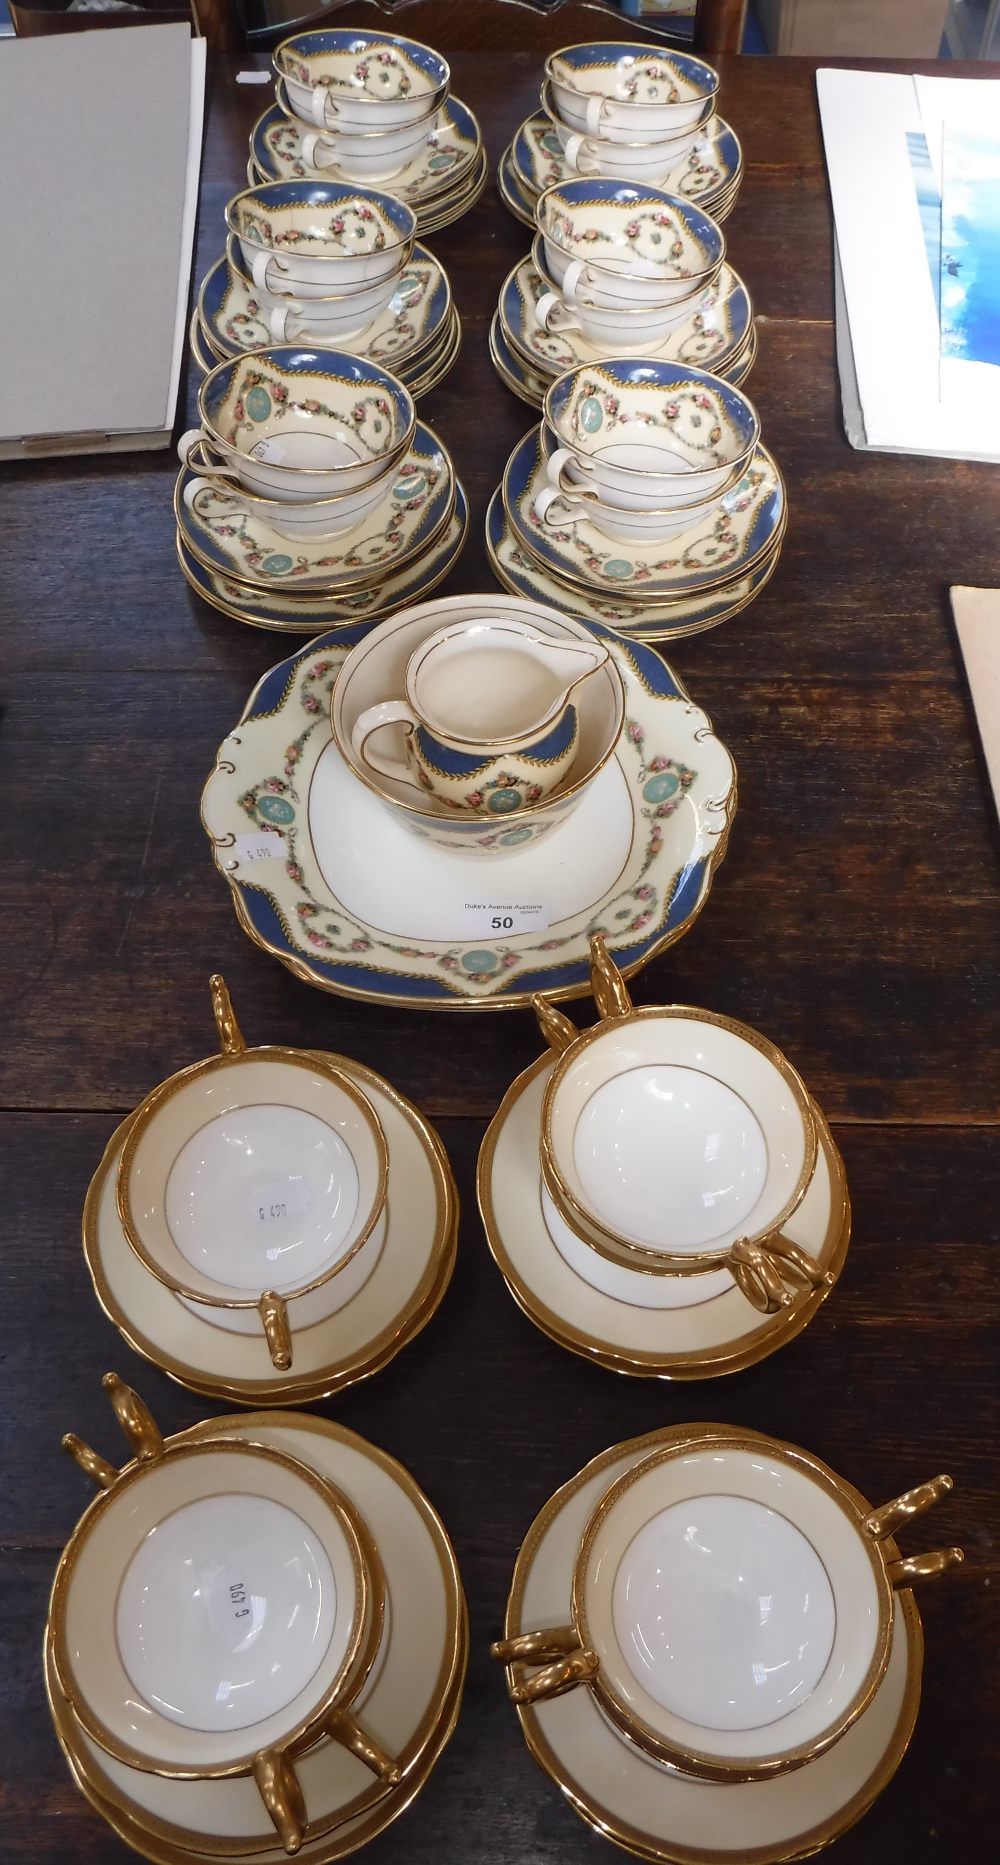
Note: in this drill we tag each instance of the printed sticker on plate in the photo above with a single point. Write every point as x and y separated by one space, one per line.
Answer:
502 918
259 847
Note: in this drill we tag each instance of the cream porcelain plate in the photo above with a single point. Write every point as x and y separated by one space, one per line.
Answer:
523 575
657 1812
353 902
714 334
672 1327
285 613
394 1301
411 1706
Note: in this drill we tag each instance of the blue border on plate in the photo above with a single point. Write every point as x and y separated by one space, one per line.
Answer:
726 149
218 279
457 120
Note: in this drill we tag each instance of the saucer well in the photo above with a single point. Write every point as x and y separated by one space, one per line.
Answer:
660 1813
397 1298
284 612
357 904
668 1327
450 156
223 531
410 1702
709 175
713 336
727 543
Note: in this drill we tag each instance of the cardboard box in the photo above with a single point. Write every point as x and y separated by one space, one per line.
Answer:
853 28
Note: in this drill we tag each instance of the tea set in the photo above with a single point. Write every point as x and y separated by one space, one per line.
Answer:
257 1636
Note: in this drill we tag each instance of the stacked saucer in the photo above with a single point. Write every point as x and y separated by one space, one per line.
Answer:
281 1249
730 1650
196 1742
620 270
328 264
628 112
371 107
311 495
687 1284
645 499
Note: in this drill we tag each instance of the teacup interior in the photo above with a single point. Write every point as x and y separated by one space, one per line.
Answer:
305 420
363 69
629 75
473 686
262 1197
724 1612
667 1136
348 229
225 1611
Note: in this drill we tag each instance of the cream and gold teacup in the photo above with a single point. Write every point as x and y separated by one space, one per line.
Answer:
678 1142
216 1611
488 719
732 1606
252 1178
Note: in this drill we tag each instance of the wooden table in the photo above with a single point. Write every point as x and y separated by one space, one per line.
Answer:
855 921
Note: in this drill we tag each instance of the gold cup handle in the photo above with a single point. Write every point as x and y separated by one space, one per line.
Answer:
773 1271
570 1663
278 1787
231 1042
906 1572
135 1418
91 1462
557 1030
344 1728
907 1507
610 992
273 1311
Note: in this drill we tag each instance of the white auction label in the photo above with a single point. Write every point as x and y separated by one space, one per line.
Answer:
493 918
259 847
275 1199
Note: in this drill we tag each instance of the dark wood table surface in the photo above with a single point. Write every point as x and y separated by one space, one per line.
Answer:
855 921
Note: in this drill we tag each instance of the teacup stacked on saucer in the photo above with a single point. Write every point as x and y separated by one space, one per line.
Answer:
645 498
333 264
664 1196
635 113
311 495
196 1740
620 269
270 1223
482 734
713 1645
359 106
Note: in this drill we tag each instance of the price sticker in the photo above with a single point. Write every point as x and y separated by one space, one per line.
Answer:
275 1199
261 846
493 919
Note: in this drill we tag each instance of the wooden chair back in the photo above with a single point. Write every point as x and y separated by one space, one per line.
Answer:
510 25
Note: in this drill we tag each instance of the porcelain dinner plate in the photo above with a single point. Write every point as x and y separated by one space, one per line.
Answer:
672 1327
660 1813
410 1704
710 175
406 1277
414 318
449 157
355 903
716 332
521 574
530 384
280 610
724 545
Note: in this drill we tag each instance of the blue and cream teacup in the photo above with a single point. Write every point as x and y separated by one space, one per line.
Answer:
489 721
342 78
657 247
644 91
312 238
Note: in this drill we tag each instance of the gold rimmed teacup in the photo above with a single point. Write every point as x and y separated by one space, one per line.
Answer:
666 1624
187 1549
678 1142
252 1178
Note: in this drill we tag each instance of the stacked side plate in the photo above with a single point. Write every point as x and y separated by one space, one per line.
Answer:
709 176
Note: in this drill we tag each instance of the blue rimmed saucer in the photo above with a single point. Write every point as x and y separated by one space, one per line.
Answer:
710 175
448 160
354 903
519 572
722 547
288 615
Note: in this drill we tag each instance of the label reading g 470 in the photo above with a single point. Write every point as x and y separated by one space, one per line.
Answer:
500 919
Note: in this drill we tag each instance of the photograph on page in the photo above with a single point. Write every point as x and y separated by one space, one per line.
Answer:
970 264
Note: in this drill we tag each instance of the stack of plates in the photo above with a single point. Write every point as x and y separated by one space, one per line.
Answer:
417 336
710 176
406 545
719 335
440 184
657 591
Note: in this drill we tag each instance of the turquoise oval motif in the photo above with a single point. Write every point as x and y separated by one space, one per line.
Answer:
409 488
659 788
619 568
551 144
479 963
275 809
257 403
442 160
511 838
501 802
591 415
277 564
